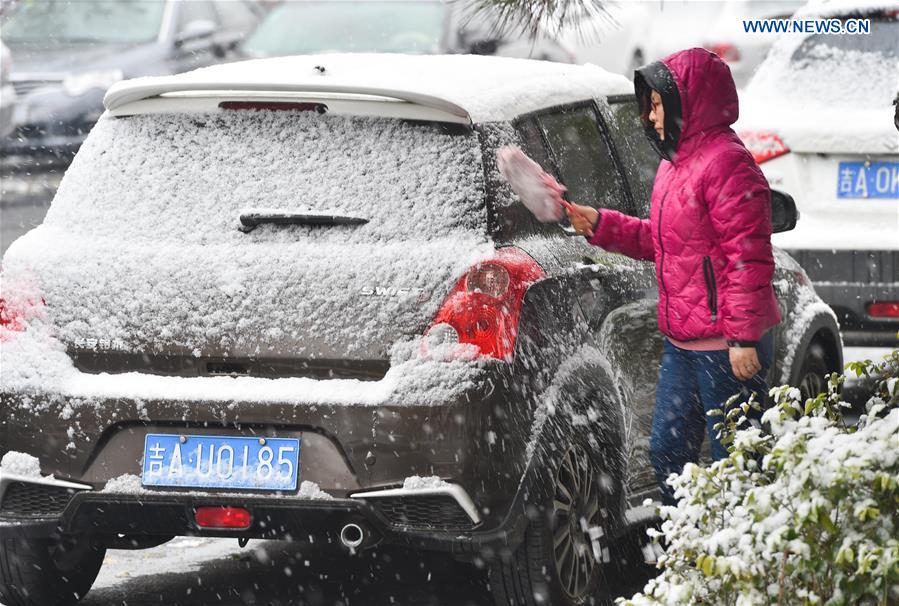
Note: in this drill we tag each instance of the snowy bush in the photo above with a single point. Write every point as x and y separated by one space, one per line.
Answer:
804 510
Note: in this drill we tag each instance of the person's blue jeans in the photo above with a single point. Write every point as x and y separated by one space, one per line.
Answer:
691 383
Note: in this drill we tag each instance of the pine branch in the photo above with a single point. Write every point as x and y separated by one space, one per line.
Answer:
543 17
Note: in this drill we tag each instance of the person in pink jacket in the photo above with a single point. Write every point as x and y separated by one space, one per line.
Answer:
709 234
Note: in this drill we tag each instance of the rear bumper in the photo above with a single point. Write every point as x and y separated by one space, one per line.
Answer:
849 280
359 454
850 303
146 515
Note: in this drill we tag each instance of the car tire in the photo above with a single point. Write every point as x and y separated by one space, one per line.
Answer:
542 570
45 572
812 372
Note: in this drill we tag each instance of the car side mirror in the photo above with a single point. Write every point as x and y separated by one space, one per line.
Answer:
487 46
477 42
195 30
783 212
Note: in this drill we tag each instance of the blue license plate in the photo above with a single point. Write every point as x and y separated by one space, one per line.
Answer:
868 180
221 462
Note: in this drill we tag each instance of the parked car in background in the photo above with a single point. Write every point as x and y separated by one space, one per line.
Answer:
819 119
636 33
68 53
7 93
744 51
226 326
390 26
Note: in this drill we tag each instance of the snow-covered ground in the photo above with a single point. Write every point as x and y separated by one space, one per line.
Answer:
202 571
180 555
854 354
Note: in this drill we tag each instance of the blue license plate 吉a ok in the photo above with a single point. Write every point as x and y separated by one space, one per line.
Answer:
221 462
868 180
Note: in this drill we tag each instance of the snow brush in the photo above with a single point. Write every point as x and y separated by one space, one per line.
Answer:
539 191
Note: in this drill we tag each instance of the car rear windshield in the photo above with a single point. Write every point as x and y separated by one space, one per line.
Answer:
847 70
190 176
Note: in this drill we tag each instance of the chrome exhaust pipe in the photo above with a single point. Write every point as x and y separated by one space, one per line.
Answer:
352 536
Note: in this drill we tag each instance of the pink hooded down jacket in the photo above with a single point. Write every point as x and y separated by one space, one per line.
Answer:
709 230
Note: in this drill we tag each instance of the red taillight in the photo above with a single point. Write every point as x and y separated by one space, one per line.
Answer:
8 319
222 517
884 309
484 306
764 145
319 108
727 51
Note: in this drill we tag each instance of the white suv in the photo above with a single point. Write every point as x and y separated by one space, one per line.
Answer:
818 116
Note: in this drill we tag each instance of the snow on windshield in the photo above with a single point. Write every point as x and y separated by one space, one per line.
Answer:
186 177
124 21
854 72
295 28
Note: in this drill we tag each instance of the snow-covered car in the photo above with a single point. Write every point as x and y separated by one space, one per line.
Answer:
392 26
818 117
293 298
631 34
744 51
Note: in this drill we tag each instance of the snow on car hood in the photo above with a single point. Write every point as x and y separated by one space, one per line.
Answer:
141 251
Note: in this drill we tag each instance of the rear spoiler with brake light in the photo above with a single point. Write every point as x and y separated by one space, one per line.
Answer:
157 95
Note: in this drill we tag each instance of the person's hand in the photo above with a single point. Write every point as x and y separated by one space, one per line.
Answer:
744 361
583 218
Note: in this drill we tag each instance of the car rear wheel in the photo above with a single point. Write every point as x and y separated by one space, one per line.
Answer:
812 373
563 557
44 572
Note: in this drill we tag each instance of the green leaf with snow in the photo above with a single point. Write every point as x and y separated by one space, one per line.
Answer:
804 510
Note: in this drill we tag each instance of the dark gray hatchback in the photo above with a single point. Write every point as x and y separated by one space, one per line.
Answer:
309 307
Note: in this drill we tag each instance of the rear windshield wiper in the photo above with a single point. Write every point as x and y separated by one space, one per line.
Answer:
251 219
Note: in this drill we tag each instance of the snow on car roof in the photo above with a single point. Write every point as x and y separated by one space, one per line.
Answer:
836 8
456 88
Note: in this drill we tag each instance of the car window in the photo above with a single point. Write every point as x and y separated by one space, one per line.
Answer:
125 21
354 26
770 9
509 217
236 15
196 11
629 136
584 161
532 144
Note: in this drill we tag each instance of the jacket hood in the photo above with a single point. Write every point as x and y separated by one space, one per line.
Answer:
705 90
657 76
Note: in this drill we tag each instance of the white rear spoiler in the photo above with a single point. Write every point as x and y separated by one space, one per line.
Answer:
140 96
